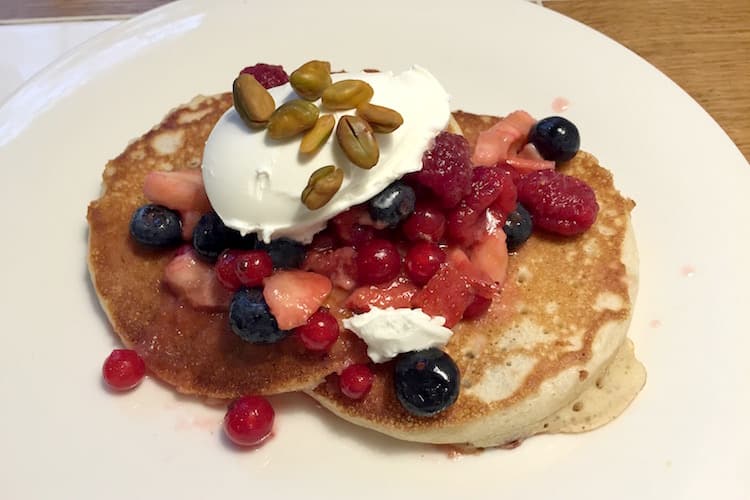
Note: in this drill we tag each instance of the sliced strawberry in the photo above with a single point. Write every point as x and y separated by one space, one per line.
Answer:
353 226
293 296
481 282
194 280
397 294
529 165
339 265
190 219
179 190
504 139
447 294
491 256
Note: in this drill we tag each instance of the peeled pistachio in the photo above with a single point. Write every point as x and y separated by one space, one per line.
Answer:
323 184
292 118
357 139
382 120
347 94
316 136
252 101
311 79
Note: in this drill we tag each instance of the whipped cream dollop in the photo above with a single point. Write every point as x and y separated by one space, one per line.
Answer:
389 332
254 183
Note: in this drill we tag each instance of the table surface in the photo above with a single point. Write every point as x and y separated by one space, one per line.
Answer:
703 45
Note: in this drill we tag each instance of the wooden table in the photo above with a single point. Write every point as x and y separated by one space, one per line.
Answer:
703 45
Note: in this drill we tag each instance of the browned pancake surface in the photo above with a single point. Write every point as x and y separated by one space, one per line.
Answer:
560 297
195 351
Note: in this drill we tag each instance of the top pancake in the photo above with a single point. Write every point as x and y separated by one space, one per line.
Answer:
195 351
561 317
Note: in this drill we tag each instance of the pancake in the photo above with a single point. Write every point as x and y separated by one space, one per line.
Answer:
551 354
192 350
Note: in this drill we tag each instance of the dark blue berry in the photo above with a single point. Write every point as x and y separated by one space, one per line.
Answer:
251 319
156 226
211 237
284 252
555 138
393 204
427 382
517 227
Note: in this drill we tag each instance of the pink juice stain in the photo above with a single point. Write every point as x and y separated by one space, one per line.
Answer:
560 104
654 323
687 271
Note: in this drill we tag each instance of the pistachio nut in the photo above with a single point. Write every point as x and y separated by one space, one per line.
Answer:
292 118
347 94
382 120
323 184
252 101
316 136
311 79
357 140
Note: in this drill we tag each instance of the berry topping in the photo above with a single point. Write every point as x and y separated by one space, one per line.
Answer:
285 253
446 169
423 260
268 75
253 266
427 222
156 226
196 282
249 420
393 204
356 381
557 202
477 308
293 296
378 261
555 138
211 237
251 318
517 227
226 270
177 189
123 369
396 294
339 265
353 226
427 382
320 332
490 255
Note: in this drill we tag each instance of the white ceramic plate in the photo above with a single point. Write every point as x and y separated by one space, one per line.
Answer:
64 436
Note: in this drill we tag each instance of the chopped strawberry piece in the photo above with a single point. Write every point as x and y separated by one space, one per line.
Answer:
466 225
529 165
491 256
195 281
398 293
504 139
339 265
447 294
190 219
293 296
179 190
481 283
354 226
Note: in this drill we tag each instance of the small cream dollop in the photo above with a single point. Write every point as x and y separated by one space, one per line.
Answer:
254 183
389 332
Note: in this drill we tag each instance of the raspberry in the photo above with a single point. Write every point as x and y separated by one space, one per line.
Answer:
558 203
446 169
268 75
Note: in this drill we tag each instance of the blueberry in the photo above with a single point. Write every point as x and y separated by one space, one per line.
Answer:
555 138
211 237
251 319
426 381
284 252
156 226
517 227
393 204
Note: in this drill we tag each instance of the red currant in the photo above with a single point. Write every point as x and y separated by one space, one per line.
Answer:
252 266
427 222
356 381
320 332
423 260
123 369
226 270
249 420
378 261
